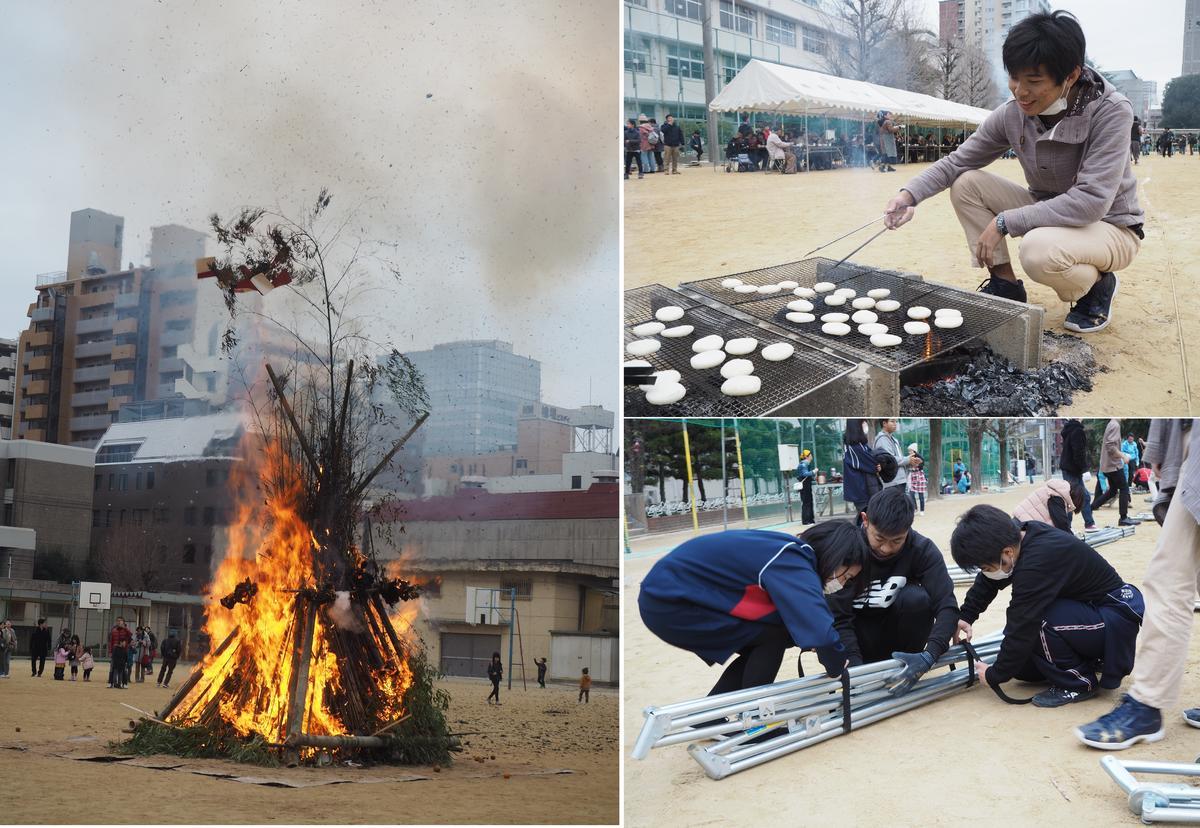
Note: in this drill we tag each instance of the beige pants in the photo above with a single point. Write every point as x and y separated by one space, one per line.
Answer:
1170 594
670 159
1065 259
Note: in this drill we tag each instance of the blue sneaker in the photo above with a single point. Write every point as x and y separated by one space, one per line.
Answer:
1129 722
1192 716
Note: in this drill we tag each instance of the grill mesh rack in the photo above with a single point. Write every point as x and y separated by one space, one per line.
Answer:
981 313
783 382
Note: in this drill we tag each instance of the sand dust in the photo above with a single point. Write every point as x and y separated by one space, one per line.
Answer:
701 224
967 759
531 733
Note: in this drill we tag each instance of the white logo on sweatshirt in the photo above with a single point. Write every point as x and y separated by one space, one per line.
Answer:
881 593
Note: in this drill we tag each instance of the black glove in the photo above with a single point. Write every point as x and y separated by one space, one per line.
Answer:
915 666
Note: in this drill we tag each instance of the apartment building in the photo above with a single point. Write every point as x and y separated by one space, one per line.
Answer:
8 385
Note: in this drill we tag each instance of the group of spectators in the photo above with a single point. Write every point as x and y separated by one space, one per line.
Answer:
1168 142
132 654
656 148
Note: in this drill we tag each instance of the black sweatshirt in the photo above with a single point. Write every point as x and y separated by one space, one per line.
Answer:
1060 516
1074 449
1053 564
918 562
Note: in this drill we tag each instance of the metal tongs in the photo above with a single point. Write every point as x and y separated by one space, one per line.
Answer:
847 235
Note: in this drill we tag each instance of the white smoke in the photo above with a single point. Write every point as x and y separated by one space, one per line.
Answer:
343 616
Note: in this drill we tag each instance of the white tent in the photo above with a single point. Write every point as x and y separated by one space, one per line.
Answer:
769 87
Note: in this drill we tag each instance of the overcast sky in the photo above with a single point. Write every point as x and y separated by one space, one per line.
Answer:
1145 36
474 135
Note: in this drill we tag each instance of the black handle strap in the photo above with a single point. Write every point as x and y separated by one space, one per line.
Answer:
972 657
845 700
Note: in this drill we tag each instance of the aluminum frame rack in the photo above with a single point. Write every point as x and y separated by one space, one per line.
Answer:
810 708
1159 802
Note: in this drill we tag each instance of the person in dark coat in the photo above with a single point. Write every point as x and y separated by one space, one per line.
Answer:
171 648
753 594
495 672
1074 463
672 143
1070 613
633 144
697 145
541 668
805 475
39 647
860 469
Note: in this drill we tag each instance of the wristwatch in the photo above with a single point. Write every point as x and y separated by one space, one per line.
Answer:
1000 225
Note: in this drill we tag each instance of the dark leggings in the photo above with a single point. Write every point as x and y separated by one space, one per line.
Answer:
1118 487
757 663
633 156
495 690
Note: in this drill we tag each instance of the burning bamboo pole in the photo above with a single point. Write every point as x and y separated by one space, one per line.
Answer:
195 677
287 410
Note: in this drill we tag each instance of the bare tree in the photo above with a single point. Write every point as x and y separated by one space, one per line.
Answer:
946 59
976 428
865 24
130 559
976 86
905 60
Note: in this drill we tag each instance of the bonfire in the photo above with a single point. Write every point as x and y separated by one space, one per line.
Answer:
314 656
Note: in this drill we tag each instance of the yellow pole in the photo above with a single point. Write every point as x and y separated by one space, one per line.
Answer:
687 454
737 441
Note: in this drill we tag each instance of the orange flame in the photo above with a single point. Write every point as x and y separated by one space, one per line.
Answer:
248 684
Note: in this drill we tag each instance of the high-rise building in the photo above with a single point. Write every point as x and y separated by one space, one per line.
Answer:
985 24
1191 38
476 390
95 242
1141 93
8 385
664 52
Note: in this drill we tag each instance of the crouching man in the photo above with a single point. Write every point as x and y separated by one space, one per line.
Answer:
1070 617
908 610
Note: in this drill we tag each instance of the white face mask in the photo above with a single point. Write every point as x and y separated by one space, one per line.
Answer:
1059 105
995 575
833 585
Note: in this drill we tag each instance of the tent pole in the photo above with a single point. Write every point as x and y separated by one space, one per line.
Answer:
807 166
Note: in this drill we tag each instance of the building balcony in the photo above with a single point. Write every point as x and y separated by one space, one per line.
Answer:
37 388
33 413
125 301
125 326
38 434
91 422
121 378
169 338
40 339
100 299
91 398
122 352
114 405
94 349
95 324
171 365
96 372
37 363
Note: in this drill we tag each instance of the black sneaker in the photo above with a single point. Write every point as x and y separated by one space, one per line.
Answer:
995 286
1128 522
1059 696
1091 313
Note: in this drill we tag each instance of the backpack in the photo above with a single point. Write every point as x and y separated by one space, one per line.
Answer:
653 138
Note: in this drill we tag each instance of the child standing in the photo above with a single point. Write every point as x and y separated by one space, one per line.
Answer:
585 687
495 673
60 662
87 663
74 649
917 484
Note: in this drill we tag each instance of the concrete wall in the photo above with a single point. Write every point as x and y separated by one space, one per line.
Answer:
594 541
541 445
50 489
571 652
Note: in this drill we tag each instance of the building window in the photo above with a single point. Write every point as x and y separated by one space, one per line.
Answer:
137 481
112 479
732 64
16 610
207 553
737 17
162 516
685 62
121 518
432 589
210 477
814 40
95 518
522 464
119 453
637 53
576 481
524 588
189 553
210 516
96 487
780 30
123 480
54 610
691 9
149 480
189 516
108 518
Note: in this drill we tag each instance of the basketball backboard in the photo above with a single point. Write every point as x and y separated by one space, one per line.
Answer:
94 595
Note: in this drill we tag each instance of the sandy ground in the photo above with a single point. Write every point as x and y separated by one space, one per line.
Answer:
701 224
499 778
967 759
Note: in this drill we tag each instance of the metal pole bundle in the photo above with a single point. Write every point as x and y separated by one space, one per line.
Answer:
805 711
1157 802
1092 539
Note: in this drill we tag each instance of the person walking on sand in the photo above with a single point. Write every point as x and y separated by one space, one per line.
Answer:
87 663
1112 466
8 647
74 650
887 140
917 485
170 655
39 648
541 668
1074 463
495 672
585 687
633 145
119 638
1078 218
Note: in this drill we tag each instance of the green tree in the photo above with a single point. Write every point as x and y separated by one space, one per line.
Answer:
53 565
1181 103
